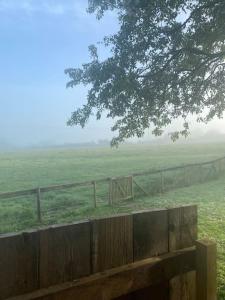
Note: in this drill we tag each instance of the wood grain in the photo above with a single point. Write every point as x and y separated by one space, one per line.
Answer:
64 253
150 233
123 280
183 233
18 264
206 270
112 242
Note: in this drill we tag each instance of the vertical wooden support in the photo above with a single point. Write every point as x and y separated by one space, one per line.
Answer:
110 192
150 233
162 182
95 195
150 238
206 270
65 253
19 255
132 188
39 205
112 242
183 234
219 167
200 173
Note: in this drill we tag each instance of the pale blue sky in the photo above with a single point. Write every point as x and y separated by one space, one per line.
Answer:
38 40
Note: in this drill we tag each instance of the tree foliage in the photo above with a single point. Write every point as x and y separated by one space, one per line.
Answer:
167 61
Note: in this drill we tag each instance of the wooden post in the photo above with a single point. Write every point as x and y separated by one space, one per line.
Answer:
95 196
206 270
219 167
39 205
110 191
182 234
162 182
201 174
132 188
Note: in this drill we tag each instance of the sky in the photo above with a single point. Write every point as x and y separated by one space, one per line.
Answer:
39 39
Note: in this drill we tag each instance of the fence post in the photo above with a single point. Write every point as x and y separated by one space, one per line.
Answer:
201 173
110 192
206 270
95 196
39 204
132 187
162 182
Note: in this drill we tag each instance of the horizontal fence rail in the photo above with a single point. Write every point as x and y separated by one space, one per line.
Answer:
152 253
126 191
91 182
38 259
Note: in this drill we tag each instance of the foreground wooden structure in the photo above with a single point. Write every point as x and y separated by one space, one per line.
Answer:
145 255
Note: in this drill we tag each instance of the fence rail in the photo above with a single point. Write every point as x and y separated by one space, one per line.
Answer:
38 259
94 183
149 254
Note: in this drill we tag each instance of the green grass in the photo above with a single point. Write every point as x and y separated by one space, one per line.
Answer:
27 169
22 170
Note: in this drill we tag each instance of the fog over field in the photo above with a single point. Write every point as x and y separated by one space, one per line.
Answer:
35 104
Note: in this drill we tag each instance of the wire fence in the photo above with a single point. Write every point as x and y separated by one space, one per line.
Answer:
50 204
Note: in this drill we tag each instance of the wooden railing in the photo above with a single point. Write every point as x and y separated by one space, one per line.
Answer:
151 253
93 183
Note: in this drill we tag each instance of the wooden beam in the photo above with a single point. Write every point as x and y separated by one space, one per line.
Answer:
87 183
183 234
122 280
140 188
39 205
95 194
206 270
120 188
112 242
18 194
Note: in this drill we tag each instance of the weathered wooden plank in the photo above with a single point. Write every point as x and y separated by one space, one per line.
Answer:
120 281
64 253
182 234
112 242
39 205
150 233
18 264
120 188
151 239
18 194
95 194
206 270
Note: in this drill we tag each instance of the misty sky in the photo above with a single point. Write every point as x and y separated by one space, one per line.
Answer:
39 39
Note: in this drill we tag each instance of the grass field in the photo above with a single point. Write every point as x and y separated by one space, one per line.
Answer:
22 170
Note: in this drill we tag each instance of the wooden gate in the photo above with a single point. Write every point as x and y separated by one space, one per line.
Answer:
121 188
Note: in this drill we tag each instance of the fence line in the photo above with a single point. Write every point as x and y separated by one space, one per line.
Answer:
93 183
39 259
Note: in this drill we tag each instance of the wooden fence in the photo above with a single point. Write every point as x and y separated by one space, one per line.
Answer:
130 256
216 166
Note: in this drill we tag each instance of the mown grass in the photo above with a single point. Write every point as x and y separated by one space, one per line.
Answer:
40 168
